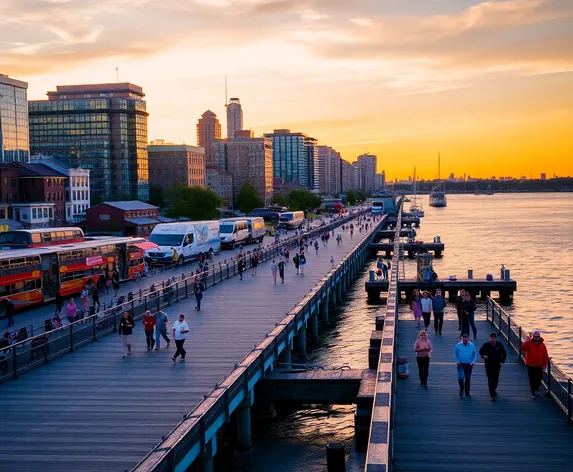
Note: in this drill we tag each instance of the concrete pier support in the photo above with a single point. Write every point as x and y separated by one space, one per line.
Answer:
206 458
324 309
301 341
332 298
285 357
338 292
244 440
314 326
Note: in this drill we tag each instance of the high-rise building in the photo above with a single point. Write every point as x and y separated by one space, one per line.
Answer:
14 131
380 181
234 117
221 182
346 175
295 157
329 182
208 130
101 127
247 159
365 172
170 163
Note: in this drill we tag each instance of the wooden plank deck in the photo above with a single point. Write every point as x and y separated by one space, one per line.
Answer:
94 411
436 430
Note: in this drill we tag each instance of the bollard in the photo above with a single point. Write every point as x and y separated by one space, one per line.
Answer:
335 457
372 278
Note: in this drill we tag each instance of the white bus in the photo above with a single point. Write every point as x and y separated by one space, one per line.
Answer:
234 232
377 206
187 239
292 219
257 229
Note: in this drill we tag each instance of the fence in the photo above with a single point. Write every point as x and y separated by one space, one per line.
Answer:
28 354
558 385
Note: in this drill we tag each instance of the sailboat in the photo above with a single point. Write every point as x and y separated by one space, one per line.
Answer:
438 194
416 206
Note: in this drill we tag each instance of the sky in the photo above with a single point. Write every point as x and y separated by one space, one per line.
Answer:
488 84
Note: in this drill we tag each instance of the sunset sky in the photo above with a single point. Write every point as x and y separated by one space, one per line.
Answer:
489 84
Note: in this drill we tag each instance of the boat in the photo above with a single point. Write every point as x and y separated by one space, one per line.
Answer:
438 194
416 207
489 191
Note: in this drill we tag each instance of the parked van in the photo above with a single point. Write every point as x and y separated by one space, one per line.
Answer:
256 225
187 239
233 232
292 219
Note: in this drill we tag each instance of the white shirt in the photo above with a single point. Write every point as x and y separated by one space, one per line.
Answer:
426 305
179 326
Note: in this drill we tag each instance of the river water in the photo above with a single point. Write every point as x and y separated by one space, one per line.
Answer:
531 234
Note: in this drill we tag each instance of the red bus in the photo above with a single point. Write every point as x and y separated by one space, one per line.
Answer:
33 276
23 238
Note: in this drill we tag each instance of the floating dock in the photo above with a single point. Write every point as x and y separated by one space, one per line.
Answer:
410 248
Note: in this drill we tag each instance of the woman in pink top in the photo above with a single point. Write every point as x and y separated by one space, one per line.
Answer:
423 348
71 311
416 306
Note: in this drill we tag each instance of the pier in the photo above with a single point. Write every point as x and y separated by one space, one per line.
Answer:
410 248
92 410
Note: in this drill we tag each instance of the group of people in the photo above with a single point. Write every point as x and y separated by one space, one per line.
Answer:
423 304
382 269
493 354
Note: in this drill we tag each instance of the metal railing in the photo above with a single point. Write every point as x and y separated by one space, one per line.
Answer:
37 350
558 385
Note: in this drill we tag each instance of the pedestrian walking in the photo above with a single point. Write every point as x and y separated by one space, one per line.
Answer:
332 261
241 266
148 326
71 311
459 310
59 304
161 322
281 267
198 291
385 271
316 247
126 332
493 354
85 298
379 263
536 359
465 356
287 254
416 306
274 270
115 282
180 329
95 297
302 262
296 262
468 315
438 305
254 262
426 303
423 349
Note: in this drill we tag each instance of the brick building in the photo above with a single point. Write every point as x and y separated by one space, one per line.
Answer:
221 182
130 218
170 163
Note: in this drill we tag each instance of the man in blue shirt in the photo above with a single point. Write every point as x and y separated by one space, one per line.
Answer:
465 355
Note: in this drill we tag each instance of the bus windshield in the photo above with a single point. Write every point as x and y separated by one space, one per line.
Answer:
226 228
167 239
377 204
287 216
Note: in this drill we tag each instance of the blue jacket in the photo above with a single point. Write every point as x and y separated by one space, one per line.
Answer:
438 304
465 354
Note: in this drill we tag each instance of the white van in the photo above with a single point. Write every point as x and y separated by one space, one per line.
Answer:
257 229
188 239
233 232
291 219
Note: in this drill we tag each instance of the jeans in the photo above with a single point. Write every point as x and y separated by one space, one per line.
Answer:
467 321
423 366
471 320
459 319
427 316
149 339
180 350
492 371
464 377
438 322
198 297
535 376
158 334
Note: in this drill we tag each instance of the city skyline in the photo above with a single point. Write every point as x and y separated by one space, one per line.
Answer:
485 83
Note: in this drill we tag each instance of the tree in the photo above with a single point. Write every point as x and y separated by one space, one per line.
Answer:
195 203
361 195
279 199
302 200
156 195
248 198
351 197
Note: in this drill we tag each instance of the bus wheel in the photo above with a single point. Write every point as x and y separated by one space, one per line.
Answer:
180 261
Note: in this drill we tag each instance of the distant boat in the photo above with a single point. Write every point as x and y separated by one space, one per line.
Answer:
489 191
438 194
416 206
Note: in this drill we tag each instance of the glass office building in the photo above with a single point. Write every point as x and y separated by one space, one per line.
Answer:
98 127
14 135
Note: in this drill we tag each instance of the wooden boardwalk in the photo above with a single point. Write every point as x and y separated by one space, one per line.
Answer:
94 411
436 430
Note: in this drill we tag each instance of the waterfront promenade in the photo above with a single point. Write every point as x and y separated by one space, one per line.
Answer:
93 410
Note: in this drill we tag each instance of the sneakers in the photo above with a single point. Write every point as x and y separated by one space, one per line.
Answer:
173 359
493 398
156 349
461 393
533 396
537 393
182 359
168 342
124 357
468 394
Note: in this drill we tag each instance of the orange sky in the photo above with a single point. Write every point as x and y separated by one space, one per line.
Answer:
489 84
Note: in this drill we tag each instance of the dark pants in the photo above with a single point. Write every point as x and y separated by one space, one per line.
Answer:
535 377
427 317
467 321
438 322
10 316
282 275
423 366
459 319
149 339
492 371
464 377
180 350
198 297
241 274
471 321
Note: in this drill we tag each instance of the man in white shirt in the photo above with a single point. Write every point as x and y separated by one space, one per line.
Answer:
180 328
426 303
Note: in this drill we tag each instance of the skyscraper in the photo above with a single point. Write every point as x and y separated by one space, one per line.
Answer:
208 130
101 127
346 175
328 170
234 117
14 132
365 172
295 157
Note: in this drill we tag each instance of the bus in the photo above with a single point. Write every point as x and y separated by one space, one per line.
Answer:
33 276
23 238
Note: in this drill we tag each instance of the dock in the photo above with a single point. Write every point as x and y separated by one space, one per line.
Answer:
390 233
405 221
410 248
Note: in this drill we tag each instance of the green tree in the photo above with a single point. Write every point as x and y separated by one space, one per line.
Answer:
95 200
303 200
156 195
248 198
279 199
195 203
351 197
361 195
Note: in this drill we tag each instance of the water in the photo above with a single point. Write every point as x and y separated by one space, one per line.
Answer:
530 233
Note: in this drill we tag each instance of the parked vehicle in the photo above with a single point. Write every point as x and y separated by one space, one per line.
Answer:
234 232
291 219
187 239
271 215
256 226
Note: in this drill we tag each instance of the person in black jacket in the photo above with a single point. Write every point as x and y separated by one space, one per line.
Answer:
493 354
468 317
126 325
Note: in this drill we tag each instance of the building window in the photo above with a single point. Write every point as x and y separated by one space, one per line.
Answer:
104 217
34 214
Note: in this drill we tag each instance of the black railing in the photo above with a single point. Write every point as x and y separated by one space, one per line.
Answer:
558 385
37 350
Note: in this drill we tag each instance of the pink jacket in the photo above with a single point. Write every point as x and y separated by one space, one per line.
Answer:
423 344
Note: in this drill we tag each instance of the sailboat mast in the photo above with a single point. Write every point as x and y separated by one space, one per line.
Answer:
439 176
